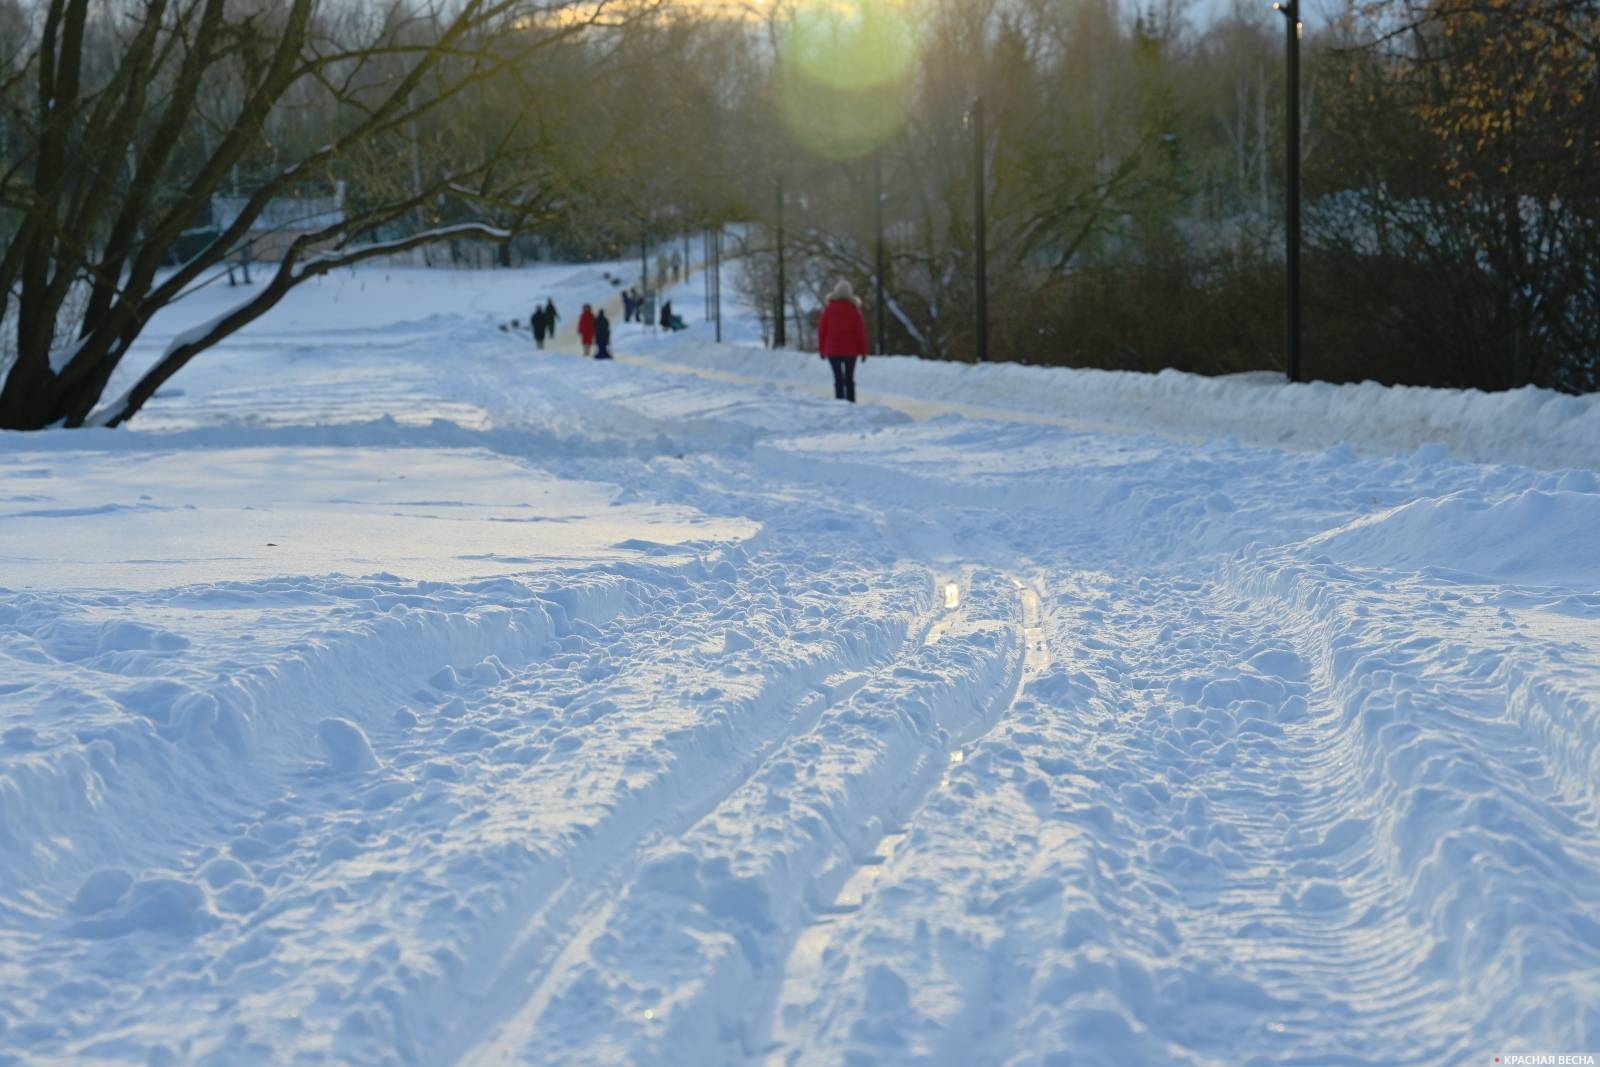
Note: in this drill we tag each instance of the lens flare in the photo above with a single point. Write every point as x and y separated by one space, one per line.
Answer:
846 75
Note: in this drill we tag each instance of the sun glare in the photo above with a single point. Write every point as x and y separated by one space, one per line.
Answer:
846 74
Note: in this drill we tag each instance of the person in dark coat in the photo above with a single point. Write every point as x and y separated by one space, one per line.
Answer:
550 316
541 326
627 305
602 335
842 339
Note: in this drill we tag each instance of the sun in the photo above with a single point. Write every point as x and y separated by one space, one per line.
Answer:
845 71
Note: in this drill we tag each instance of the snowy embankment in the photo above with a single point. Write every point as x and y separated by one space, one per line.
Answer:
1534 427
391 693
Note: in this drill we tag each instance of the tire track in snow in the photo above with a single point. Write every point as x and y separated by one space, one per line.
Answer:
987 938
470 811
1188 843
1433 772
508 1021
804 978
516 979
681 965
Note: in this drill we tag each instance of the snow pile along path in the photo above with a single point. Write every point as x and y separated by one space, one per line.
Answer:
1537 427
400 695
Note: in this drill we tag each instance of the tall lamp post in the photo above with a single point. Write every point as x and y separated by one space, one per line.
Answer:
1290 10
779 335
644 263
877 253
713 277
979 236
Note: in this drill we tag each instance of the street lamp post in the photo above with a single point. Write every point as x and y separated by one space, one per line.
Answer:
644 260
877 254
779 335
980 237
712 278
1290 9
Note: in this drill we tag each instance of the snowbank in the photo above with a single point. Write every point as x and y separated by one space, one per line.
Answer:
1531 427
1533 537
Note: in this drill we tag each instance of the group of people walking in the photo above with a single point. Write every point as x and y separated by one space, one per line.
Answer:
543 322
841 332
634 310
594 329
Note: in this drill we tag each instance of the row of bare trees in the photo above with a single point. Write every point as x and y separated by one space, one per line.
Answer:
123 121
1134 164
1133 159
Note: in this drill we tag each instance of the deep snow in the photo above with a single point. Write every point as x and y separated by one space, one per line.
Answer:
390 692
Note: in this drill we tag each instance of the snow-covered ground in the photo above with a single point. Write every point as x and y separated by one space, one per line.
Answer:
388 692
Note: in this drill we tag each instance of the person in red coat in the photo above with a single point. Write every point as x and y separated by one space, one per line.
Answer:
586 328
842 339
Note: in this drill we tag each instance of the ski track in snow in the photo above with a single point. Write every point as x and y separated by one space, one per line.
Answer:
851 738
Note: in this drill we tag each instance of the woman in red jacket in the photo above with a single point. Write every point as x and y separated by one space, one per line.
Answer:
842 339
586 328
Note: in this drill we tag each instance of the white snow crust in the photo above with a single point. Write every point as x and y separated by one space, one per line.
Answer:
390 692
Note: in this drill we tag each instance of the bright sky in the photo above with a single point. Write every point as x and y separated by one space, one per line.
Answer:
1200 12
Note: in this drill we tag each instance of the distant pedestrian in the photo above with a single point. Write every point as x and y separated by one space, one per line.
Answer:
541 326
602 335
586 328
550 316
677 264
627 305
842 339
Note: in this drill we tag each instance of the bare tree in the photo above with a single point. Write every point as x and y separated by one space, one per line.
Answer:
125 118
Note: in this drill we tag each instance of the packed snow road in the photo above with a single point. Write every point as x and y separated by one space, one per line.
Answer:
395 694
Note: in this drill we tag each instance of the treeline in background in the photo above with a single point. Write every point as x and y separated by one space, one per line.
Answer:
1133 159
1135 189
